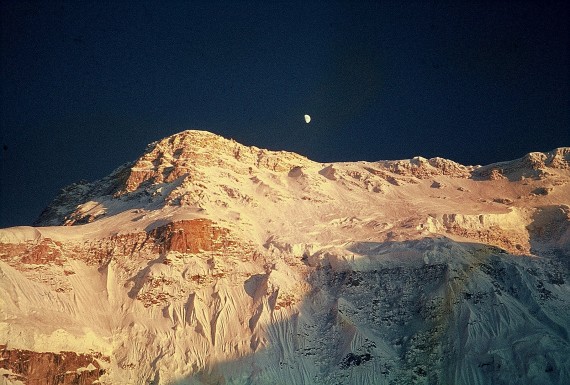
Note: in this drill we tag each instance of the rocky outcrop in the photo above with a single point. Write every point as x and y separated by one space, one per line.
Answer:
47 368
191 236
535 165
72 196
185 236
423 168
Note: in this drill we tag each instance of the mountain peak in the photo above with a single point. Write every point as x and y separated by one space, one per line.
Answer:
184 164
200 169
188 152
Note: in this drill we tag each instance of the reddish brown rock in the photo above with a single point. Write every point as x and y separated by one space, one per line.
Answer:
47 368
43 252
100 251
191 236
47 251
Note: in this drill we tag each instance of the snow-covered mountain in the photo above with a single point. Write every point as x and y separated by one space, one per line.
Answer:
209 262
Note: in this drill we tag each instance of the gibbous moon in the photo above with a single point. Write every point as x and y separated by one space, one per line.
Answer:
307 118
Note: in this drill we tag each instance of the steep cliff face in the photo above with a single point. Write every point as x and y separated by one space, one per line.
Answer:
209 262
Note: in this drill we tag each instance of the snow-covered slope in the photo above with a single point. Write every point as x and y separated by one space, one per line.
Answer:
209 262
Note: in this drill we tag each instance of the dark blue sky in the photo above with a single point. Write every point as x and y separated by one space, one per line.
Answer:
86 86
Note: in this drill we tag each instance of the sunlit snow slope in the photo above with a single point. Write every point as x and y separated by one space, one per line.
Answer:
209 262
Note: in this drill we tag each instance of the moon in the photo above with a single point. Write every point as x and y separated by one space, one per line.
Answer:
307 119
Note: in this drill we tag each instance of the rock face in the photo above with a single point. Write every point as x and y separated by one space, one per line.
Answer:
209 262
190 236
534 165
63 368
